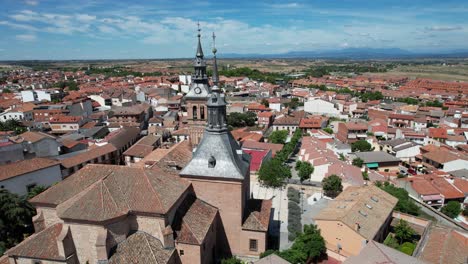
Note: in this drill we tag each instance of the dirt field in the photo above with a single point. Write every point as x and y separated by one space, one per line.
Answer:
457 72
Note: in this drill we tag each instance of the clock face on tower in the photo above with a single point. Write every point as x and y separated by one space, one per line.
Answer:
197 90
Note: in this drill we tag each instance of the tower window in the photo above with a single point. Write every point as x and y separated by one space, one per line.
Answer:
194 112
202 112
253 244
211 162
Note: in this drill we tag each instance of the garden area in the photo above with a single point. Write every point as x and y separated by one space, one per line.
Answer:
402 237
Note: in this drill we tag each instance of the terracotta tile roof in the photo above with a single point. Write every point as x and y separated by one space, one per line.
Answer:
265 114
461 184
424 187
369 206
437 132
178 155
311 122
89 155
142 147
141 247
258 216
41 245
251 144
123 136
374 253
193 220
274 259
102 192
32 136
18 168
287 120
65 119
401 116
442 156
446 189
444 245
356 126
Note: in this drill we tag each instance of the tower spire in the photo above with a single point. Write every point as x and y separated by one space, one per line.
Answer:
199 63
215 65
199 47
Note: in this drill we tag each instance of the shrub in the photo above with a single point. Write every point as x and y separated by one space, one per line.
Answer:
407 248
452 209
294 195
391 241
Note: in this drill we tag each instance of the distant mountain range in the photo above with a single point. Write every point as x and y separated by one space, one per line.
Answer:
354 53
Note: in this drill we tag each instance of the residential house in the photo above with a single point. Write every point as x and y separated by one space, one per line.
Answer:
378 160
141 148
288 123
258 157
21 176
38 144
65 124
315 105
445 160
401 148
351 132
355 217
401 120
255 145
311 123
265 118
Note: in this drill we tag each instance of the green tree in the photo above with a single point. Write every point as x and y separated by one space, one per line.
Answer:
265 102
308 247
15 219
452 209
342 157
404 204
404 232
241 119
360 146
305 169
232 260
273 173
278 136
365 175
328 130
332 185
6 90
358 162
35 191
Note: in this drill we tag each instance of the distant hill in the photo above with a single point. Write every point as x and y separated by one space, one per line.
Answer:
354 53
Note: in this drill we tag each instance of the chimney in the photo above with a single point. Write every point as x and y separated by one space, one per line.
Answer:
357 226
168 237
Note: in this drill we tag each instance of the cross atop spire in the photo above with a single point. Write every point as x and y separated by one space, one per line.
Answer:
215 76
199 47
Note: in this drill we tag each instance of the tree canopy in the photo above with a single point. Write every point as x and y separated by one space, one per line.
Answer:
332 186
12 125
452 209
15 219
278 136
404 232
405 204
358 162
361 146
273 173
308 247
304 170
236 119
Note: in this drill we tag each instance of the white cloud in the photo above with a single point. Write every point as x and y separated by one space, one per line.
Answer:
26 37
286 5
444 28
31 2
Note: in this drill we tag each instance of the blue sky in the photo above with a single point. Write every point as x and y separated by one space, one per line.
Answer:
95 29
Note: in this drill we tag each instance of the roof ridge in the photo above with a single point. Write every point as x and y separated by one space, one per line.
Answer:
149 247
152 187
110 195
120 189
191 231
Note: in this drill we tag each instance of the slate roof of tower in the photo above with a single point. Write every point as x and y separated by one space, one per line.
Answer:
231 162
